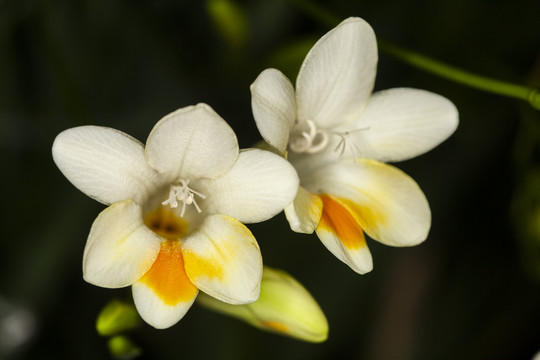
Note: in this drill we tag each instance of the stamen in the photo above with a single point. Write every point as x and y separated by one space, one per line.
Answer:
342 144
185 194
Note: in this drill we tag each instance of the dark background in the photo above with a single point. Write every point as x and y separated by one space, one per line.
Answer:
471 291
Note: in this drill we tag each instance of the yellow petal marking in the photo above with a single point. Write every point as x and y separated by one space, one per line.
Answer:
167 277
199 266
337 218
368 217
217 257
165 223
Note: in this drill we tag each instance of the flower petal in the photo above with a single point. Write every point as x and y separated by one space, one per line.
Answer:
258 187
305 212
403 123
164 294
274 107
223 259
105 164
120 248
337 76
388 204
192 142
342 234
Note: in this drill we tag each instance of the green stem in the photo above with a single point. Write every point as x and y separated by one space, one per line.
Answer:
317 12
531 95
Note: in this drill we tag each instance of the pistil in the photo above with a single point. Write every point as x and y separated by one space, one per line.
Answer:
311 141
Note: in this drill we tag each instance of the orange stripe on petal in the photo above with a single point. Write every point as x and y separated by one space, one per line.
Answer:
338 219
276 326
167 277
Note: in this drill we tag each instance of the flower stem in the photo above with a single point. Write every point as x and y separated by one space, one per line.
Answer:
317 12
531 95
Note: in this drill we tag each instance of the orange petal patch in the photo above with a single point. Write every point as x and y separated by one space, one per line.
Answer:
337 218
276 326
167 277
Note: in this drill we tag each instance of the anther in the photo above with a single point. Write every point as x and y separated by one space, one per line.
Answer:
184 194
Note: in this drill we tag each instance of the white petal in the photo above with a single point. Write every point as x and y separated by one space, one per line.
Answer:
192 142
305 211
343 235
223 259
337 76
165 293
258 187
154 311
120 248
404 123
274 107
106 164
387 203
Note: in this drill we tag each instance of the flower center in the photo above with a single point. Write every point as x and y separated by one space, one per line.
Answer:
185 195
164 222
306 138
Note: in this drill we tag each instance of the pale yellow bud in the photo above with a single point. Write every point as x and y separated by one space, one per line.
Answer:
284 307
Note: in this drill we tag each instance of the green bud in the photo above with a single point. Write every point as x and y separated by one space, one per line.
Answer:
121 347
284 307
116 317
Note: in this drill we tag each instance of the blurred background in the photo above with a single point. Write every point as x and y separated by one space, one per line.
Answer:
471 291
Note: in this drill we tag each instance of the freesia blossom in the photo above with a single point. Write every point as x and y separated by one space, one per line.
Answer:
174 224
337 134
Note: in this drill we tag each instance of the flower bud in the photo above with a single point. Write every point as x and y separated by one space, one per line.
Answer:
284 307
116 317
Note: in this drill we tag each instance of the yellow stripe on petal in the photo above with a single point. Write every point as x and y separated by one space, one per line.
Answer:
367 217
389 206
224 260
167 277
203 267
337 218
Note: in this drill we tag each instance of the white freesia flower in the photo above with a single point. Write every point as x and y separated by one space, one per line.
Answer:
174 224
337 134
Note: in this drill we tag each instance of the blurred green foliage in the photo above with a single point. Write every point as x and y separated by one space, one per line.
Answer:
230 20
121 347
465 293
116 317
